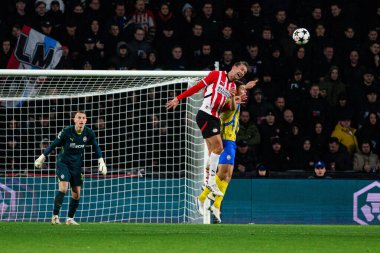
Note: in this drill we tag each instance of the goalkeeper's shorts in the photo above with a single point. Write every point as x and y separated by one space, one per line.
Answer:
228 154
67 174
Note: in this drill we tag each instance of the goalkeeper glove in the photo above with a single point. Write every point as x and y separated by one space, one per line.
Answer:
102 166
40 161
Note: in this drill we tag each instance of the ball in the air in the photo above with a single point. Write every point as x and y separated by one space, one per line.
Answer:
301 36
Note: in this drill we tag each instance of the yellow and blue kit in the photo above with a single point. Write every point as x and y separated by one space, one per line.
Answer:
229 129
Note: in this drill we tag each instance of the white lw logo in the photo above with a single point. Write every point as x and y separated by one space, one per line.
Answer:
367 204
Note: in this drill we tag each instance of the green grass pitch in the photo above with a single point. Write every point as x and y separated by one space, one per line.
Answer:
182 238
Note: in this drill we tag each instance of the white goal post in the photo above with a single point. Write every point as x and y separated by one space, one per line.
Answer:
155 157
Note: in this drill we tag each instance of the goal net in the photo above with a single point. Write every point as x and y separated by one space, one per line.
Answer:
155 158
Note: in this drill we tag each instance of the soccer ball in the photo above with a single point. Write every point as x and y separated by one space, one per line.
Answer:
301 36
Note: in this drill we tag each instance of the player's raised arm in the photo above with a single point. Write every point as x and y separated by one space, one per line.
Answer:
251 84
98 152
192 90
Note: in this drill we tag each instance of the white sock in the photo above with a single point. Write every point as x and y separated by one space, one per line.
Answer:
214 161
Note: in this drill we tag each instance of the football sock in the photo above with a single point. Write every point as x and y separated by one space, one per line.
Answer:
222 185
204 194
214 160
74 203
58 202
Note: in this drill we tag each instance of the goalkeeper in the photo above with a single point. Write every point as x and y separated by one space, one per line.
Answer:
229 129
73 140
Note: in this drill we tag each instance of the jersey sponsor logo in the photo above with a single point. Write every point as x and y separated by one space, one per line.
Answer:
85 138
73 145
220 89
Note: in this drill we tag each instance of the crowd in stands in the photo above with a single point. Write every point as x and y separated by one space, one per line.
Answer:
314 102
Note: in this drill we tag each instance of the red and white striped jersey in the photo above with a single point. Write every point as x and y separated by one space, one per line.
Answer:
216 92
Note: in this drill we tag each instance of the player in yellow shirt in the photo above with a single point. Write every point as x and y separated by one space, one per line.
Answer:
229 128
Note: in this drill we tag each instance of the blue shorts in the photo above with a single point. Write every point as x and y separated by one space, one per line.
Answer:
228 155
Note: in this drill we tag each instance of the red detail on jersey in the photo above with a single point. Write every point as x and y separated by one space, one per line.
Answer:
204 126
216 92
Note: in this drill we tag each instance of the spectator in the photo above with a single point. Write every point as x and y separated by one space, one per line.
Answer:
165 41
71 39
323 64
231 16
248 131
76 15
319 171
371 104
346 134
343 107
144 18
244 159
95 32
206 60
279 107
5 53
365 160
314 107
349 42
123 60
227 41
333 85
39 15
165 17
300 62
337 157
277 68
186 21
262 171
370 130
269 129
152 62
55 14
305 156
276 159
352 70
270 87
177 60
296 90
125 23
209 21
95 10
287 42
316 17
279 24
90 54
139 47
258 107
112 38
193 43
227 60
19 16
254 60
319 137
254 22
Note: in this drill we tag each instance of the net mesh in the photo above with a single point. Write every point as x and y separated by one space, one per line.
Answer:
154 157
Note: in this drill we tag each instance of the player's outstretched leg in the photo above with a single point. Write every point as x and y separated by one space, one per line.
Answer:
216 212
199 205
211 184
55 220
